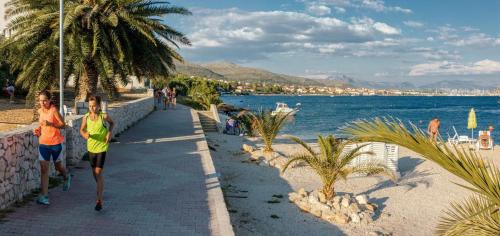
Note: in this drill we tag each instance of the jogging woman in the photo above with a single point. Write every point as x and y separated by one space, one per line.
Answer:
50 145
98 135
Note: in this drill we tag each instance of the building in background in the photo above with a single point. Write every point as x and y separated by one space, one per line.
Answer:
3 18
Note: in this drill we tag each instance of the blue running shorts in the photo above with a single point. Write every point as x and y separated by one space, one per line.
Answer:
47 152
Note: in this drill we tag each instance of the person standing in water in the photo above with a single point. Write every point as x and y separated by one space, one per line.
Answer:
98 135
433 128
50 145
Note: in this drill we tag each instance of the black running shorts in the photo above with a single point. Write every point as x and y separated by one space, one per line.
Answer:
97 159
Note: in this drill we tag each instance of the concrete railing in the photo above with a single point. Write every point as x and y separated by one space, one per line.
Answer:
19 168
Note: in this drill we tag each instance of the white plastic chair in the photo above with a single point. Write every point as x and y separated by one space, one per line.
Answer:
456 139
479 144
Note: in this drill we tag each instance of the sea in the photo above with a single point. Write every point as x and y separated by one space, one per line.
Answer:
323 115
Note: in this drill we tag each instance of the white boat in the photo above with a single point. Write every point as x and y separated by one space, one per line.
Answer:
284 109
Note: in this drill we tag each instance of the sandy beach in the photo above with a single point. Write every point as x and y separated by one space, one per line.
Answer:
411 206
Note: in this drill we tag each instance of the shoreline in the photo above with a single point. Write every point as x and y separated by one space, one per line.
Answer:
248 188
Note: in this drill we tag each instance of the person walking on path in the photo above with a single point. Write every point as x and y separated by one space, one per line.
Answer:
165 92
50 145
98 135
433 128
174 97
10 90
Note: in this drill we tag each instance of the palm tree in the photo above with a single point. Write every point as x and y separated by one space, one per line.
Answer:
268 126
479 214
330 163
105 41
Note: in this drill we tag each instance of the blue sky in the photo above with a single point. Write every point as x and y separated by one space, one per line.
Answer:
405 41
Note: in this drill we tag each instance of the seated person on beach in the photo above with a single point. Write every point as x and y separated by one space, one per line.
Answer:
230 126
484 139
10 90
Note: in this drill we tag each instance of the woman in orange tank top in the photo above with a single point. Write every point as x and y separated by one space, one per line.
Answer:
50 145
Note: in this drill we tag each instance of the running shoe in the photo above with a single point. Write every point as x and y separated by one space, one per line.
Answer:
67 183
98 206
43 200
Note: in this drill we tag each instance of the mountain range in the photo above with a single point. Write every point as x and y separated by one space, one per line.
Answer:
233 72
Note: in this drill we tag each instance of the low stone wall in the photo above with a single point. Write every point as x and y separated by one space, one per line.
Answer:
19 168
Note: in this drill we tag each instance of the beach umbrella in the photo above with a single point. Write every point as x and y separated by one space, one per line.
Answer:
471 122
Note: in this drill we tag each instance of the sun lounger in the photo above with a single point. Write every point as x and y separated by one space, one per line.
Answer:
457 139
484 141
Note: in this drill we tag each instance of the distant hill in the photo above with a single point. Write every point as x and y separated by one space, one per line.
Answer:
197 70
233 72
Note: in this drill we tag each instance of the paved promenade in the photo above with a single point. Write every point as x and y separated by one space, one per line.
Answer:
159 180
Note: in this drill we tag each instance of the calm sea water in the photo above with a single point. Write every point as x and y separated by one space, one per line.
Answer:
325 114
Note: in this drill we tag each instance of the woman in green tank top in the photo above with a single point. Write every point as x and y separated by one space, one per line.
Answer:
98 135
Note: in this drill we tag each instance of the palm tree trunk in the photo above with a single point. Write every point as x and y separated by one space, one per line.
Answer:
36 105
88 81
329 192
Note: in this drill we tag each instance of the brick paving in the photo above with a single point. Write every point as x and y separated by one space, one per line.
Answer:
159 180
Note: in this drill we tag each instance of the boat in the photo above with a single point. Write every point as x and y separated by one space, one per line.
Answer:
283 108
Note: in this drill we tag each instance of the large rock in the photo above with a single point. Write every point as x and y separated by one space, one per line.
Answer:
354 208
371 207
322 197
362 199
341 218
316 211
294 197
304 205
247 148
355 218
313 199
302 192
345 202
337 199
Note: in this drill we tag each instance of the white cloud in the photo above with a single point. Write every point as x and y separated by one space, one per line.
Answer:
477 39
375 5
451 68
340 9
381 74
386 29
319 10
266 32
414 24
430 39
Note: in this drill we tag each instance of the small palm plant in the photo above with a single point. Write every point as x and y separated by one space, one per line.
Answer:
479 214
268 126
331 163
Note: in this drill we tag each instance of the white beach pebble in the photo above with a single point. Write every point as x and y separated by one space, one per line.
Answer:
355 218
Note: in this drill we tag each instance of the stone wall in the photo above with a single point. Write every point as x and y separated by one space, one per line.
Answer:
19 168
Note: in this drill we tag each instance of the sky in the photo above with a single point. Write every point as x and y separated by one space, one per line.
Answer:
397 41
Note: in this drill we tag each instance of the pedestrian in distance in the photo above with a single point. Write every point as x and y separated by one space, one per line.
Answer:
98 134
50 146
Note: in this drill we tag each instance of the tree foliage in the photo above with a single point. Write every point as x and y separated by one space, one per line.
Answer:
105 41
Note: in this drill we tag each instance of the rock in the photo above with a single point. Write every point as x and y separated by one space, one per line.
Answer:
328 215
323 207
341 218
313 199
263 163
322 197
373 233
294 196
329 203
316 211
355 218
302 192
247 148
353 208
336 206
371 207
304 205
362 199
337 199
345 202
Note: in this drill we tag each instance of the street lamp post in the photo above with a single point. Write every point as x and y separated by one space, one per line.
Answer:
61 57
